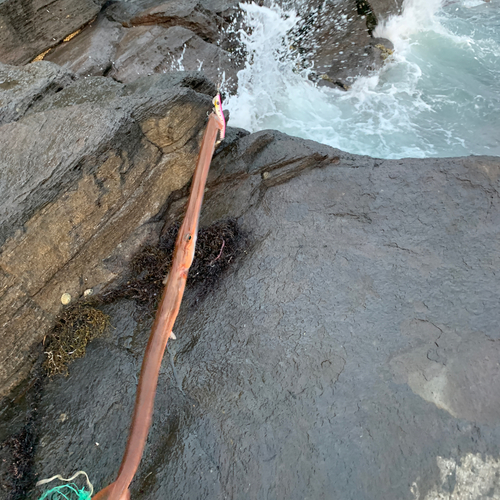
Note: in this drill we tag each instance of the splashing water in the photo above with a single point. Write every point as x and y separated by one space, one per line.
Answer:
439 95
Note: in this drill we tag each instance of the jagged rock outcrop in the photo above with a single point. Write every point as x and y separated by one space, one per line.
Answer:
352 350
129 40
82 174
189 14
92 52
134 39
30 27
22 87
383 9
145 50
338 39
202 17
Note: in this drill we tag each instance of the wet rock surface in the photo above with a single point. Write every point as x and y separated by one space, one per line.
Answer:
92 52
200 13
29 27
145 50
188 14
382 9
351 351
129 40
338 40
133 39
74 171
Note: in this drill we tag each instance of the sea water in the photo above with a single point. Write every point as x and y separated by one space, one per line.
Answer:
438 95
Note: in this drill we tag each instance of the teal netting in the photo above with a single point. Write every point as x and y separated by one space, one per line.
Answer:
66 492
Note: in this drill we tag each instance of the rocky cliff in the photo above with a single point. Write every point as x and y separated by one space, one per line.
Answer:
84 173
349 350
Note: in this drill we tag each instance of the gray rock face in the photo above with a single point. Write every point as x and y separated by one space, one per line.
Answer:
92 52
189 14
340 68
338 39
352 353
74 171
383 9
130 40
29 27
123 12
225 8
145 50
21 88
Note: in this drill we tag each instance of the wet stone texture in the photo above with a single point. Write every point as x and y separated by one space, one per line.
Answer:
29 27
145 50
338 38
91 52
352 352
132 39
84 172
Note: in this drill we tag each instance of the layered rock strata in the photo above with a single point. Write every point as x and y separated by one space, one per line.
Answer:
82 176
128 40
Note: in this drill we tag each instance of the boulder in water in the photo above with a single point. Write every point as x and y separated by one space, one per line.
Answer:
338 39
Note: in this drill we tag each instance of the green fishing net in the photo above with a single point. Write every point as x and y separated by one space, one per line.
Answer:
66 492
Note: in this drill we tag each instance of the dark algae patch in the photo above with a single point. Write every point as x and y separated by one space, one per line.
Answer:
148 269
18 439
75 328
16 454
364 9
217 247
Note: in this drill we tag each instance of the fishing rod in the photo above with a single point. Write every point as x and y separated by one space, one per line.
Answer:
165 318
166 314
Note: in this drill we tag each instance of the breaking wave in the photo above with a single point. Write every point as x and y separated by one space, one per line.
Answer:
438 95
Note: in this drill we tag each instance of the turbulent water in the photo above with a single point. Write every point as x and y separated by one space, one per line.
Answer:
438 95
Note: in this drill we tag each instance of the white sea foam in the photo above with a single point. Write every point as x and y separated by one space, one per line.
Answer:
437 96
417 16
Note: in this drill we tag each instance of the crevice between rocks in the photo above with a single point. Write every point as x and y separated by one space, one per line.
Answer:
364 8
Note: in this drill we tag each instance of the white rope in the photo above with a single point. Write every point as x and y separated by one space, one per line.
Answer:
45 481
